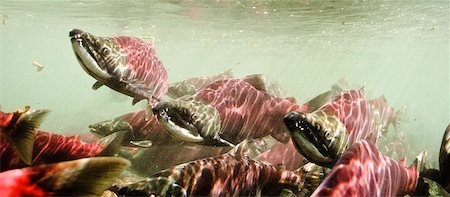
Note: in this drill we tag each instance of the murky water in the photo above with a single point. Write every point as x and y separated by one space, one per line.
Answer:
399 49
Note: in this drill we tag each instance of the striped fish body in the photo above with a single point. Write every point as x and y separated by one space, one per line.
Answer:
364 171
125 64
246 111
225 175
49 148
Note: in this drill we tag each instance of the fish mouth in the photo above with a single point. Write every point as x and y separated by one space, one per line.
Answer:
307 138
178 121
84 49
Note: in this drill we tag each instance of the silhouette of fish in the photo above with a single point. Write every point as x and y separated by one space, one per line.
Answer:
82 177
323 135
364 171
125 64
17 129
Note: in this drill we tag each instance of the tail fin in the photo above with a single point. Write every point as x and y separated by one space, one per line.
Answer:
112 143
23 139
89 176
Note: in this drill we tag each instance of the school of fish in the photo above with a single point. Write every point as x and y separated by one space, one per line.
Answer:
216 135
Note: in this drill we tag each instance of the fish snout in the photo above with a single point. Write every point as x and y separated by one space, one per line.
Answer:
291 120
75 33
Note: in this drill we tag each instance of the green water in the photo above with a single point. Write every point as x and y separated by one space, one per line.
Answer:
399 49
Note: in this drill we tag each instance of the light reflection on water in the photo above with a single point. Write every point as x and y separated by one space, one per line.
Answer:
396 48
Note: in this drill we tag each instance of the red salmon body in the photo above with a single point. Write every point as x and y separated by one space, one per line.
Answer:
364 171
49 148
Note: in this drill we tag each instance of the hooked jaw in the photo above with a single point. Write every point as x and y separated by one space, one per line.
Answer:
83 47
178 123
313 138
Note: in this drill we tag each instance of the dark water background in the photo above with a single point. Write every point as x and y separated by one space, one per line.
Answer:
399 49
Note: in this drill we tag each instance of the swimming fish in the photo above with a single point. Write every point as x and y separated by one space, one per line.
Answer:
125 64
224 175
227 112
323 135
139 131
52 148
442 176
364 171
193 85
18 128
82 177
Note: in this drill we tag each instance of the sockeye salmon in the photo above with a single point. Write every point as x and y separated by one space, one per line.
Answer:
125 64
227 112
83 177
225 175
364 171
442 176
17 129
52 148
142 131
323 135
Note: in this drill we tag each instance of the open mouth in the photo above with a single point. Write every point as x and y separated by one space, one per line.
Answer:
178 123
84 52
306 137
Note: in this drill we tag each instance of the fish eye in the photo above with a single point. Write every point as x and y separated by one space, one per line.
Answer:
105 50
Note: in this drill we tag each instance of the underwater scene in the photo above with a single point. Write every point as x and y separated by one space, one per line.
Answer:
225 98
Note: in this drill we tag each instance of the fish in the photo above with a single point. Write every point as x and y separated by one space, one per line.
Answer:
52 148
18 128
140 131
226 112
125 64
442 176
224 175
323 135
444 160
364 171
82 177
193 85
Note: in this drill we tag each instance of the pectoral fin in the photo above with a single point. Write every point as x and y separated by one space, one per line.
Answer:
142 144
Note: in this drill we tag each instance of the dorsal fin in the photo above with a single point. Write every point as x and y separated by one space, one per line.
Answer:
112 143
83 177
23 139
319 101
256 81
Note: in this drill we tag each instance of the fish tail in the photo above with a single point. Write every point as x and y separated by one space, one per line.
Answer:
88 176
416 180
112 143
23 139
